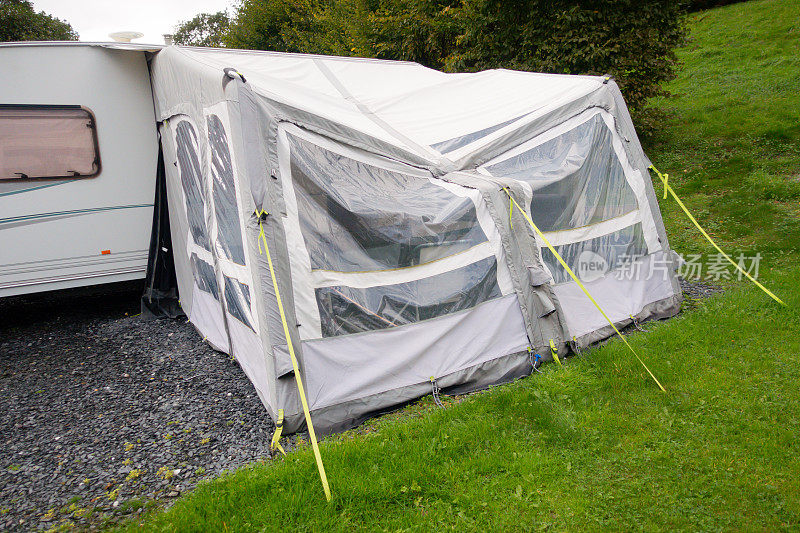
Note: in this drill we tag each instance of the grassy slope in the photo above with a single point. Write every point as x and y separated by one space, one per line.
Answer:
595 445
733 137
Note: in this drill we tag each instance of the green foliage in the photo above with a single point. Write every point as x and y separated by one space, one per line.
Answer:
268 25
699 5
429 32
206 29
20 22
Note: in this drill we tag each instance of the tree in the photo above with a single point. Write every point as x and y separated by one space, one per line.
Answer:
278 25
206 29
20 22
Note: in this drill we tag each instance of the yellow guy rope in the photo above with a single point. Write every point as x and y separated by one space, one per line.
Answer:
667 188
583 288
300 390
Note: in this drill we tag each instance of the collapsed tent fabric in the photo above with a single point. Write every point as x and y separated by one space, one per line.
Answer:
396 252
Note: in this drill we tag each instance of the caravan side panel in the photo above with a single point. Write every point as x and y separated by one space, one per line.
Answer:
57 233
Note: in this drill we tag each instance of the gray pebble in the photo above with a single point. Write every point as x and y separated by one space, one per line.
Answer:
83 418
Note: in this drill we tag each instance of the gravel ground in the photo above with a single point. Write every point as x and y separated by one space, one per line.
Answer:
105 413
699 289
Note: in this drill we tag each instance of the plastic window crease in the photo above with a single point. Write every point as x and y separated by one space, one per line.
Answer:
357 217
189 170
229 234
204 276
237 300
596 257
576 178
345 310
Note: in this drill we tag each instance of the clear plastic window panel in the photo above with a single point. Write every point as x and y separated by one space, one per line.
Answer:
204 276
346 310
191 180
224 190
596 257
577 179
237 300
356 217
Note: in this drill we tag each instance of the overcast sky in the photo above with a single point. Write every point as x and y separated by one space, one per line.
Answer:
95 19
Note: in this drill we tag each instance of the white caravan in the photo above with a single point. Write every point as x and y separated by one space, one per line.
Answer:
78 155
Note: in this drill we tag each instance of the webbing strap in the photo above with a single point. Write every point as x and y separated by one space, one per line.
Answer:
583 288
276 437
554 352
668 189
300 390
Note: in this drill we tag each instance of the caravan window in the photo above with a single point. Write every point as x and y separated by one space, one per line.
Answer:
47 142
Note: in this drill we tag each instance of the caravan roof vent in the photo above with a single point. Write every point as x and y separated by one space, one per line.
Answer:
125 36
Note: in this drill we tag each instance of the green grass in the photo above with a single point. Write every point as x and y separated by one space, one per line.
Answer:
595 445
732 140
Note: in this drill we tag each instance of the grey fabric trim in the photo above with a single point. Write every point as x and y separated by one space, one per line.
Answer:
247 146
548 316
180 109
340 417
285 389
283 363
624 125
252 141
280 112
657 310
